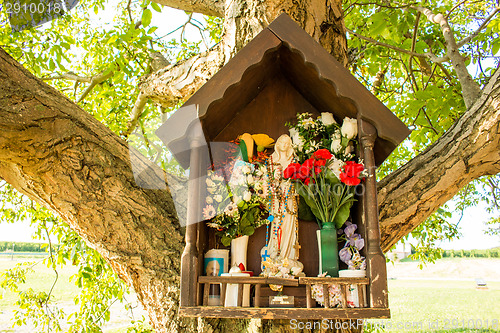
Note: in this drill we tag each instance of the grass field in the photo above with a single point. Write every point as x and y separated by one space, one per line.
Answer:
64 292
441 298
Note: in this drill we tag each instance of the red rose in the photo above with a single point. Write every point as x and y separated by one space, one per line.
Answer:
320 163
309 180
291 170
351 173
322 154
353 169
305 169
349 180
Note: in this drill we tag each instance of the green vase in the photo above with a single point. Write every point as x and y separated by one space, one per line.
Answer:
328 250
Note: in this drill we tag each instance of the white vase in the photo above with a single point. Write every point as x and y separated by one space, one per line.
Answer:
352 292
239 251
318 237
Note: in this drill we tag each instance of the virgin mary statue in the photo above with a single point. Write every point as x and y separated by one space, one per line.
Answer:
283 235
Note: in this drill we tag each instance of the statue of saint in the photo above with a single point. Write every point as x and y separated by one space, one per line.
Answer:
283 233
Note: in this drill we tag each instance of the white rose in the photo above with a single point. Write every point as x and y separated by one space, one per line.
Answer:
298 141
209 182
336 145
250 180
327 118
218 198
209 200
349 128
236 199
247 196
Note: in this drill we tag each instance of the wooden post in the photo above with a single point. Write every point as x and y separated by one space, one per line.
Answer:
309 300
257 296
189 259
361 298
223 294
206 292
240 294
343 295
326 295
375 260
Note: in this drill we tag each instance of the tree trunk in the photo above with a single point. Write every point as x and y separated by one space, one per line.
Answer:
243 20
57 154
62 157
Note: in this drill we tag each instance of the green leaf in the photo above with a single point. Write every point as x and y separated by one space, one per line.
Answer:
226 241
495 47
52 65
342 214
146 17
156 7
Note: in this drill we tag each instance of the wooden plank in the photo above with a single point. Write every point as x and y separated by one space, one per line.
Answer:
248 280
284 313
309 298
232 279
257 296
329 280
240 295
206 291
223 294
287 290
326 296
343 295
361 298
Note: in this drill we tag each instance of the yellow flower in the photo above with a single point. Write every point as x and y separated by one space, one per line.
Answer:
263 141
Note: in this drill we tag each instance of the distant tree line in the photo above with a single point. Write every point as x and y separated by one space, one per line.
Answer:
22 247
490 253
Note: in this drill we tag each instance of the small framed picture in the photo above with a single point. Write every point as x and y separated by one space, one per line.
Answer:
213 266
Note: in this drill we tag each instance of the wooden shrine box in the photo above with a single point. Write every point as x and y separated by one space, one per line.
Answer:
280 73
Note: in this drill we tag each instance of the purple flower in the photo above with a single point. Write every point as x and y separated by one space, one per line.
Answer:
345 255
359 243
350 229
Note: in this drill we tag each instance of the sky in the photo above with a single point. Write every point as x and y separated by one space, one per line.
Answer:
471 225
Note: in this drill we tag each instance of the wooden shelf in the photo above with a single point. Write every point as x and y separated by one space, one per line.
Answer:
248 280
283 313
330 280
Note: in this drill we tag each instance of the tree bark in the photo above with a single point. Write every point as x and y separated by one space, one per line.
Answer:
57 154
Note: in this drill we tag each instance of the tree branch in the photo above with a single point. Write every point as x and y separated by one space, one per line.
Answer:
95 80
139 106
65 159
468 150
177 82
429 55
69 76
205 7
470 89
478 30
